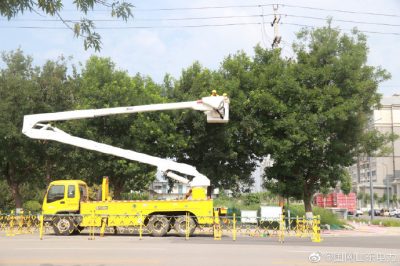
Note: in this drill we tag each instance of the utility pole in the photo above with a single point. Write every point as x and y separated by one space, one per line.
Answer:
371 188
393 157
275 24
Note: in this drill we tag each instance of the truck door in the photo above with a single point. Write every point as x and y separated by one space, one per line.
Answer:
72 198
61 198
54 200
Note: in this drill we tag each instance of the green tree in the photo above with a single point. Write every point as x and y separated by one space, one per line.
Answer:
18 94
376 197
395 199
84 28
360 199
25 89
6 199
360 195
56 93
345 182
367 198
225 153
102 86
315 109
383 199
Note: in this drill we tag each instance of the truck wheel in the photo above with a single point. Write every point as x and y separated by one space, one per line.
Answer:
158 225
63 225
180 225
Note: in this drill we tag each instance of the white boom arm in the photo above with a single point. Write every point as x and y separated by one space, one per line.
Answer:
215 107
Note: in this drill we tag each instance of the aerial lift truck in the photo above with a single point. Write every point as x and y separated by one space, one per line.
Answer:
66 204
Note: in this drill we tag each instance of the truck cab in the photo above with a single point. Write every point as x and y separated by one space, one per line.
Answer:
64 196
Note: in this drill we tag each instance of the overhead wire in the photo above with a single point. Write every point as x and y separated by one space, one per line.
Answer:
191 26
147 19
363 31
183 8
264 34
342 11
251 6
262 16
201 7
343 20
140 27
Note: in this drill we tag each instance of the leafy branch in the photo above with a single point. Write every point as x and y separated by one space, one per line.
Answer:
85 28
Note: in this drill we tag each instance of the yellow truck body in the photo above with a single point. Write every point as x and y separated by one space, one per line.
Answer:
67 206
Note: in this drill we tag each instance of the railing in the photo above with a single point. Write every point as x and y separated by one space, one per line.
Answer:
159 225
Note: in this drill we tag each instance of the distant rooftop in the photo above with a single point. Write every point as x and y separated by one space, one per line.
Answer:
391 100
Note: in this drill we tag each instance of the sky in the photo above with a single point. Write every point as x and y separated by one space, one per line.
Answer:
168 36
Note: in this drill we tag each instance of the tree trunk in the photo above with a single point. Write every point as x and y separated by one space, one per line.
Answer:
48 171
16 195
118 188
307 198
14 186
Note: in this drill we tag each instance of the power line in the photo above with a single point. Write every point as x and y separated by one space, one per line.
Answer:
188 26
342 20
253 6
343 11
183 8
147 19
139 27
210 18
363 31
202 7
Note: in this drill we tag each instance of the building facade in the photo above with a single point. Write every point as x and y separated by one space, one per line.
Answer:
160 189
385 171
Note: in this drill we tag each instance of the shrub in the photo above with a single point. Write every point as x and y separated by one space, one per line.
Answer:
135 196
327 216
251 199
32 206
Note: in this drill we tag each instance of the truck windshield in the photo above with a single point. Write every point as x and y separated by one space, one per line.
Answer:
55 193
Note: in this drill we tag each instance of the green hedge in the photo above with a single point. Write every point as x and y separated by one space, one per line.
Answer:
32 206
327 216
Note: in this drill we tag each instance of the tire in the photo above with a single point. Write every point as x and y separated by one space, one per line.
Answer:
180 225
63 225
158 225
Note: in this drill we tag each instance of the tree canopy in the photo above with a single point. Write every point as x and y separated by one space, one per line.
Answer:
316 109
309 113
85 28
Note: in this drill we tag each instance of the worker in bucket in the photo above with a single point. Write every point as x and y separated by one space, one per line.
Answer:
214 93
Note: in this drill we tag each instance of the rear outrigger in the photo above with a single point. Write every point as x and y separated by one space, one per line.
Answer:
67 206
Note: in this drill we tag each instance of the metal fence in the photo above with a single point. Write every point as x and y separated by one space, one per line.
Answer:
159 225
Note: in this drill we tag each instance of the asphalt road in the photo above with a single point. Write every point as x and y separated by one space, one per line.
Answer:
202 251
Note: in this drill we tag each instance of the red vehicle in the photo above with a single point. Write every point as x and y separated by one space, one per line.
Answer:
337 200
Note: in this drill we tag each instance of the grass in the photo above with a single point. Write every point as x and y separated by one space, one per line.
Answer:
327 217
390 222
250 201
235 205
